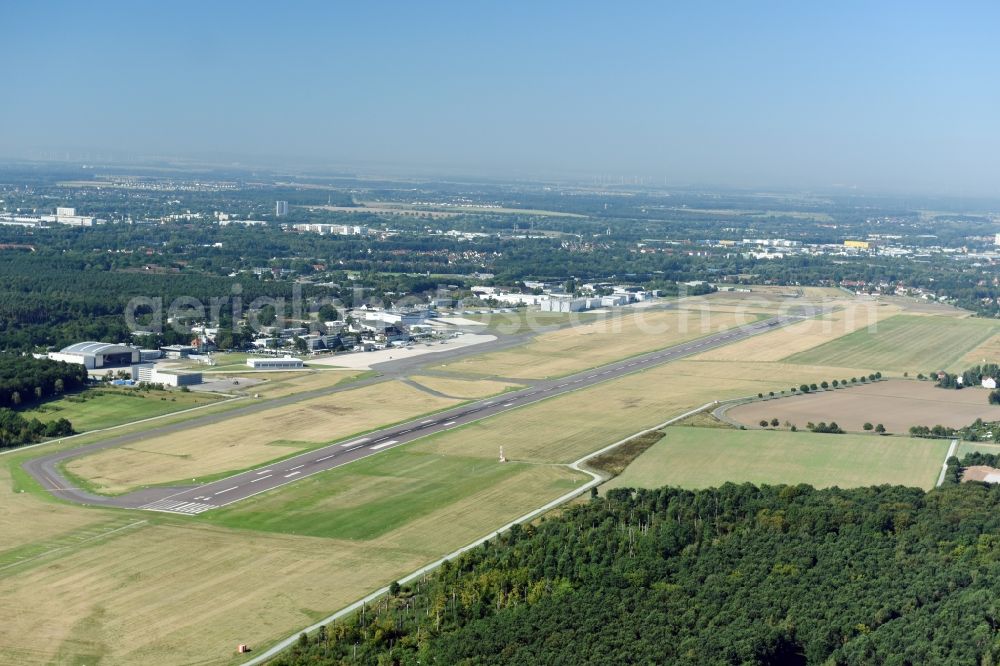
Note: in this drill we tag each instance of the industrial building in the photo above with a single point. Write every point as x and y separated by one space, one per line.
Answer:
563 304
147 372
285 363
96 355
178 351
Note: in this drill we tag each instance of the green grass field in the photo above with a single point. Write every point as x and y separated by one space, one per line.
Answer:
965 448
368 498
904 343
98 408
706 457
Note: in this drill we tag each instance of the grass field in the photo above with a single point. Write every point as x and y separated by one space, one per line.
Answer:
616 409
524 321
897 404
706 457
463 388
175 590
987 352
371 497
802 336
585 346
98 408
910 343
245 441
277 384
974 447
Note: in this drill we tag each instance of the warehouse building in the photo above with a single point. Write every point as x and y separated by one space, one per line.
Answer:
286 363
96 355
147 372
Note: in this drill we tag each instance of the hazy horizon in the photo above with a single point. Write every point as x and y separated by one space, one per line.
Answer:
897 97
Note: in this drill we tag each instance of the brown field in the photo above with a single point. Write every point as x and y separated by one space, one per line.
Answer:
588 345
463 388
897 404
779 344
987 352
250 440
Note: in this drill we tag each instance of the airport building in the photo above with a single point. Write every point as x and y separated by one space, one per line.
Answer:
96 355
563 304
285 363
147 372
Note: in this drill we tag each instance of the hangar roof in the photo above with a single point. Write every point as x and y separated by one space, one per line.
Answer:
91 348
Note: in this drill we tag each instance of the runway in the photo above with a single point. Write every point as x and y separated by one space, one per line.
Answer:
193 500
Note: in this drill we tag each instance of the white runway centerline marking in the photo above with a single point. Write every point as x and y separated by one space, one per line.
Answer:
226 490
357 441
264 471
296 467
261 478
383 445
427 421
450 423
324 458
292 474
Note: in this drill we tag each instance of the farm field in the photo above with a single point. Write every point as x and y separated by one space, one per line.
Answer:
463 388
912 343
987 352
705 457
245 441
174 590
897 404
585 346
99 408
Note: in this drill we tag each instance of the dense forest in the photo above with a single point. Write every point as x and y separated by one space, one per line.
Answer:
16 430
733 575
25 380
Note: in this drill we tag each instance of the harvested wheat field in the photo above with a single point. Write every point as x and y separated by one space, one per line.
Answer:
897 404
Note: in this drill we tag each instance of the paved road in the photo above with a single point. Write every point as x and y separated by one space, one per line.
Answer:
197 499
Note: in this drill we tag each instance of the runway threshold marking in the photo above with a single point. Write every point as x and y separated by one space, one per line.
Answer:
383 445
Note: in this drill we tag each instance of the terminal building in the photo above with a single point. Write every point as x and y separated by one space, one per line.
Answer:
97 355
286 363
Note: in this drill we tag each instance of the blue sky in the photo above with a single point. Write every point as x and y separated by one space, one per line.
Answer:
882 95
